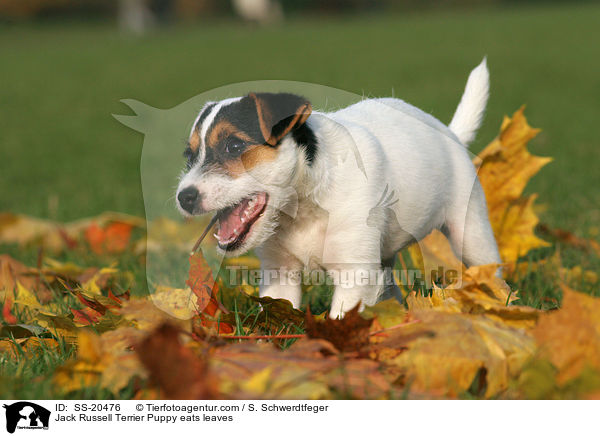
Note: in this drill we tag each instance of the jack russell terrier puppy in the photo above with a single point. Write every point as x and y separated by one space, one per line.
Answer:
251 157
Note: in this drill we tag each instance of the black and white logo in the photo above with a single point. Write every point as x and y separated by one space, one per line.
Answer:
26 415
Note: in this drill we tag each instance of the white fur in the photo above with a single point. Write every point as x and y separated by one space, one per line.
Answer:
338 220
469 114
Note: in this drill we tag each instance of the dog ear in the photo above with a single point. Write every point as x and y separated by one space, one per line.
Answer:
279 114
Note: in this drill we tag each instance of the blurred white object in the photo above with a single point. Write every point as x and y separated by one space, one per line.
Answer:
134 16
261 11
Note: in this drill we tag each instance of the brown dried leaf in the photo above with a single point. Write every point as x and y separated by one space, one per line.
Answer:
350 333
309 369
276 313
180 373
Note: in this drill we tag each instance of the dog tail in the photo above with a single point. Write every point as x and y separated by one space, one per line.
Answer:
469 113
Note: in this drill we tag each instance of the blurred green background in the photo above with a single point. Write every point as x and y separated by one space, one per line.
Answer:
66 64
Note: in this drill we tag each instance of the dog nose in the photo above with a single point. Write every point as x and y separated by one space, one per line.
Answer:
188 198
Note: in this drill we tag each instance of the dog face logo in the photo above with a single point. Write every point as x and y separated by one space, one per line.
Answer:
26 415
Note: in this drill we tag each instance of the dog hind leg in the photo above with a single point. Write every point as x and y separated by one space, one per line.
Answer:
471 234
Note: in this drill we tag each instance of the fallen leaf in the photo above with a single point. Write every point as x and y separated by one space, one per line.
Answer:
505 168
24 230
56 237
13 271
446 351
20 331
570 336
86 316
350 333
387 313
276 314
482 292
201 282
114 238
27 348
84 371
180 373
309 369
7 315
105 361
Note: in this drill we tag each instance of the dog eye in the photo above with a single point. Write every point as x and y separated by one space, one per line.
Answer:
234 147
190 156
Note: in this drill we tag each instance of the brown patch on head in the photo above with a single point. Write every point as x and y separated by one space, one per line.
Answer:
253 156
194 141
222 130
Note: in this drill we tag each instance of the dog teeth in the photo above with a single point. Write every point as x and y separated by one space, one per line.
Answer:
243 219
216 236
236 232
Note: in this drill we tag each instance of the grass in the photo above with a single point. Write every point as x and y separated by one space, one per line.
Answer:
68 158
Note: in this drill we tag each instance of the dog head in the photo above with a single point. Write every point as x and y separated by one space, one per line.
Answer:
243 156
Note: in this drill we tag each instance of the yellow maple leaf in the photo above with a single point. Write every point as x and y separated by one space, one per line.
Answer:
106 361
449 350
480 292
505 167
570 336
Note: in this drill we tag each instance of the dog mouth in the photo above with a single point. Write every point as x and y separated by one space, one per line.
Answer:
236 222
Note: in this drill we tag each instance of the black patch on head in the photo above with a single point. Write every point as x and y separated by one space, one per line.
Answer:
281 110
243 115
306 139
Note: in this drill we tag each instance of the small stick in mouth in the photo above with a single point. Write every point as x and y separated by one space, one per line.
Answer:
204 233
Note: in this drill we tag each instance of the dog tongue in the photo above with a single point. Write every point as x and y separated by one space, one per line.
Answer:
235 222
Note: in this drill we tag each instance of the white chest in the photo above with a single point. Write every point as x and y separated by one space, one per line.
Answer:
303 236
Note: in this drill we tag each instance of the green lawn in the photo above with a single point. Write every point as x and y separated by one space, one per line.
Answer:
64 156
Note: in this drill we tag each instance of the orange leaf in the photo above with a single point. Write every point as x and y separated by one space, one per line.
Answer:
6 314
114 238
95 237
201 282
86 316
117 237
219 327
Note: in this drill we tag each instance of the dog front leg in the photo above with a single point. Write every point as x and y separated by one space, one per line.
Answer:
352 258
355 285
281 277
282 284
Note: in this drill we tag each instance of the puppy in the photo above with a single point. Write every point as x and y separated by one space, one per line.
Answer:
337 191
